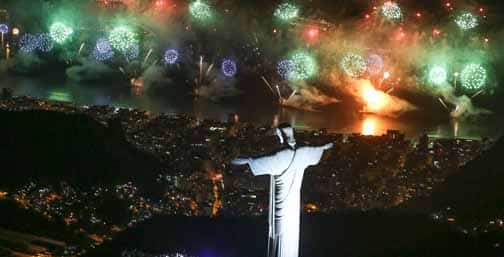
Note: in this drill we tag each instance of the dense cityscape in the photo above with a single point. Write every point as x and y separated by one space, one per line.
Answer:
361 172
144 128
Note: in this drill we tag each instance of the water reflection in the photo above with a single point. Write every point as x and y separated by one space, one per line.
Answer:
369 127
339 119
60 96
455 128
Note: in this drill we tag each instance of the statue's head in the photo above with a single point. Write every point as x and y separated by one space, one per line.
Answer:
286 134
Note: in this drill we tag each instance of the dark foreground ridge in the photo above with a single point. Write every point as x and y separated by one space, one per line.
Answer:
474 193
346 234
51 147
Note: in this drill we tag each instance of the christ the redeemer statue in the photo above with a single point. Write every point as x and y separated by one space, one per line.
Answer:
286 168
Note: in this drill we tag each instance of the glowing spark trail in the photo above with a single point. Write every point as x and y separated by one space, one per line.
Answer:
267 84
80 48
198 81
200 70
443 103
3 29
278 92
149 53
292 94
478 93
209 69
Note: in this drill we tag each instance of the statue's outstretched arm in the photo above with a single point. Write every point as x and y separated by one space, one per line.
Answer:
268 164
313 154
241 161
327 146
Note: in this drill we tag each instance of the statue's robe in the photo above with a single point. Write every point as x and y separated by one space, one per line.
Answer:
287 168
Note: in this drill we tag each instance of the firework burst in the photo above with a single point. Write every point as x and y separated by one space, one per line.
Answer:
374 64
285 68
103 50
200 11
286 12
473 76
466 21
438 75
391 11
60 32
229 68
44 42
4 28
27 43
304 66
132 53
353 65
122 39
171 56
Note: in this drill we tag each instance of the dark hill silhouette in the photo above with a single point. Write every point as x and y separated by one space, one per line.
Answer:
475 192
51 147
344 234
14 218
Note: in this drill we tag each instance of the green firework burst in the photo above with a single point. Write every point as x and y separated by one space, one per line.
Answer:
60 32
122 38
286 12
353 65
304 66
200 11
438 75
466 21
473 76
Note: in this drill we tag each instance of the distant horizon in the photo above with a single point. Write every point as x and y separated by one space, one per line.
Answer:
298 127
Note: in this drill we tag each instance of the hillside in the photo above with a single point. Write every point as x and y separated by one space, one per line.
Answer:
344 234
475 192
49 147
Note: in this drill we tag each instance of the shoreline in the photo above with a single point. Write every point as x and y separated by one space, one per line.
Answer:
27 103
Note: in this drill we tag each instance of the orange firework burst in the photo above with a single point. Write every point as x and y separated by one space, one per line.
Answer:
374 100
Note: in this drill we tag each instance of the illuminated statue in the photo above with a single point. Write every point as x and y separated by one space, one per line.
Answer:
286 168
